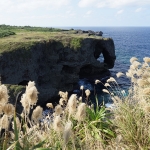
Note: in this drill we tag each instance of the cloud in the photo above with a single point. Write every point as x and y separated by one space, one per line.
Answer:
112 3
138 9
120 11
25 5
89 12
86 3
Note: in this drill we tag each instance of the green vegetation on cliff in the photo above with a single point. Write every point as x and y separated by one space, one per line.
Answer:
18 37
76 43
4 33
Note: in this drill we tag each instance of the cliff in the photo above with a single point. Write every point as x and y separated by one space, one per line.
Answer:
54 61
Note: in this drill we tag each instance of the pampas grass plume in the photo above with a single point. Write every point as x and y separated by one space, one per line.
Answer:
107 84
132 67
8 109
146 91
61 101
141 82
72 103
146 59
119 74
81 87
105 91
4 122
133 59
146 74
57 124
63 95
37 114
49 105
148 80
25 103
97 81
81 112
128 74
31 94
136 64
1 109
3 94
80 99
111 79
58 110
87 93
139 72
67 132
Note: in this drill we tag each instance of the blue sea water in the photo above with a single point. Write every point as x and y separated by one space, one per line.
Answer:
129 42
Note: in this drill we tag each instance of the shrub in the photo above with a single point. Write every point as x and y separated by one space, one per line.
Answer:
4 33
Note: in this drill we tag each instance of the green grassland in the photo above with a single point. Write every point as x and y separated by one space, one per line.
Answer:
16 37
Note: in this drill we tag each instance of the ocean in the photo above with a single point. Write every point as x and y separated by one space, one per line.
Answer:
129 42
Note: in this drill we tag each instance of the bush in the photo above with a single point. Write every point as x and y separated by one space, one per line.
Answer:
4 33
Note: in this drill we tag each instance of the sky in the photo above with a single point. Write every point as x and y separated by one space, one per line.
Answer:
71 13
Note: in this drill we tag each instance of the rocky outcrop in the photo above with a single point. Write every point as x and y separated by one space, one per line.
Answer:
90 32
56 64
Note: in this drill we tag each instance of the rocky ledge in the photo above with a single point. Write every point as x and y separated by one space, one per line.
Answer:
56 63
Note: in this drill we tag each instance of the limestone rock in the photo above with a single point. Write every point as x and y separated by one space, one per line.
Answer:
56 64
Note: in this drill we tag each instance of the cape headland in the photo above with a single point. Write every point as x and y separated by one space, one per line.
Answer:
55 59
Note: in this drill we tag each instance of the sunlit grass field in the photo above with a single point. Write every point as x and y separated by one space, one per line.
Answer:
14 37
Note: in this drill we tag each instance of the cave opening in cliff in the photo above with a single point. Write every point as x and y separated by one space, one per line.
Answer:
102 55
24 82
85 71
100 58
98 53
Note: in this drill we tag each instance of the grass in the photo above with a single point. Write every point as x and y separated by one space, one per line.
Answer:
76 43
17 37
78 126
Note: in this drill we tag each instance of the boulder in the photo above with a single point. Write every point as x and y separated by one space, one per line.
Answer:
99 33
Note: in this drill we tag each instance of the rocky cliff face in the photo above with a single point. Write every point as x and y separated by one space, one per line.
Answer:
56 64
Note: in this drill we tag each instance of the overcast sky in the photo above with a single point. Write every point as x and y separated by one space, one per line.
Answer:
52 13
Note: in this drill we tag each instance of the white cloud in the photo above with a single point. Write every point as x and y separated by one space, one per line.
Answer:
86 3
120 11
89 12
25 5
101 4
112 3
138 9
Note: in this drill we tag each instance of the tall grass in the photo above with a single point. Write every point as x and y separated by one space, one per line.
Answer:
76 125
131 114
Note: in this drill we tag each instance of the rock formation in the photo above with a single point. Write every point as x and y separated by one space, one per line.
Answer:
56 64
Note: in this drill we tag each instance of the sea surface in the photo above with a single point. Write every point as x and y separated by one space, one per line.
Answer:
129 42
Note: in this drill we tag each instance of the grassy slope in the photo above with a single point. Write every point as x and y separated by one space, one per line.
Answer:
28 36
